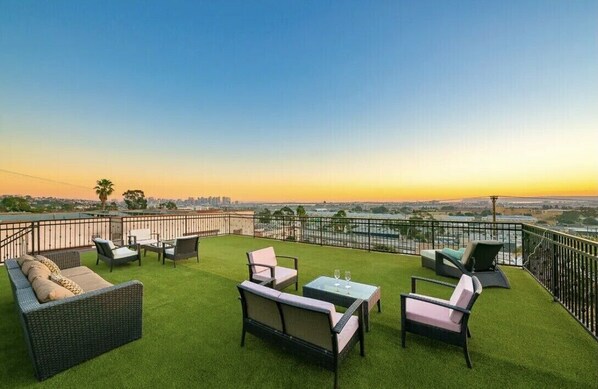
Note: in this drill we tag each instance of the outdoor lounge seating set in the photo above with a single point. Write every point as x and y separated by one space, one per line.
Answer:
313 327
180 248
69 320
70 328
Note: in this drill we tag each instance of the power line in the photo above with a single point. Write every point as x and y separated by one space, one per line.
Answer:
44 179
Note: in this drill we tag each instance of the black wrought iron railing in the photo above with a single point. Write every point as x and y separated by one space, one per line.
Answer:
565 265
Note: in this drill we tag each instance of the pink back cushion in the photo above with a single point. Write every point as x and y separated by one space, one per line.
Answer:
265 256
461 297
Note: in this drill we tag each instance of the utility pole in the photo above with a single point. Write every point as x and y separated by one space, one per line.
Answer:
493 198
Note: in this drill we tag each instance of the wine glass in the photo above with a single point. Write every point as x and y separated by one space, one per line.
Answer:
348 278
337 275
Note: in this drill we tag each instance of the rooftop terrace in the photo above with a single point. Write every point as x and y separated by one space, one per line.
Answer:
192 328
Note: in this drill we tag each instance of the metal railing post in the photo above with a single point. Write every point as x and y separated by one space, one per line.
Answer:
369 235
321 239
555 270
433 236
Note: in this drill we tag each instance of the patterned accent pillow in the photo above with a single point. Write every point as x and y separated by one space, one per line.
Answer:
66 283
24 258
49 263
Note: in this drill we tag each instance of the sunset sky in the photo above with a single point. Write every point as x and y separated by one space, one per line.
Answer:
299 100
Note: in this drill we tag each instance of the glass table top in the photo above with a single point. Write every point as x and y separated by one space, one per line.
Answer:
357 290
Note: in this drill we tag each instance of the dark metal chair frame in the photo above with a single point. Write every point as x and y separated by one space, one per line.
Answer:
481 263
106 254
184 248
319 355
272 283
451 337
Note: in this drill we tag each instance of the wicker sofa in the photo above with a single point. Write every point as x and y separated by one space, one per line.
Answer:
305 326
63 333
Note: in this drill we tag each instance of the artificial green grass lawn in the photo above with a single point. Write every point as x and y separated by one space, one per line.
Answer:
192 329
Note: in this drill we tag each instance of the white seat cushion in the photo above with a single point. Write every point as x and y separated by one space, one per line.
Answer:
430 314
123 252
431 254
169 251
281 274
348 330
147 241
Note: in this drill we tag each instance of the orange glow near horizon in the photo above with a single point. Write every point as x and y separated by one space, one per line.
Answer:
245 190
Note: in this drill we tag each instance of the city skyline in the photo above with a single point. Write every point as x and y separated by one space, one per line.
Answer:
266 101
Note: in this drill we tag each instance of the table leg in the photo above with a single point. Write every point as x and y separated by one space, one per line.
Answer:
379 307
366 316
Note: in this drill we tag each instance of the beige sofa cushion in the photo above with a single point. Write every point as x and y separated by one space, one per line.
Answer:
67 283
28 265
25 257
75 271
38 271
49 263
90 281
46 290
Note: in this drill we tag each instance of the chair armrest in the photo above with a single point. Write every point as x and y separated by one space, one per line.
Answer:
358 304
66 259
295 259
416 278
435 302
132 239
440 257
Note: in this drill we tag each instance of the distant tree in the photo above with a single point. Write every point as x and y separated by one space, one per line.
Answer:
357 208
380 209
15 204
286 211
339 221
135 199
104 188
302 215
569 217
486 212
265 216
113 206
590 221
170 205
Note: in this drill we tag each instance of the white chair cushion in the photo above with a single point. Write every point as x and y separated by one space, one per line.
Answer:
281 274
169 251
141 234
110 243
431 254
147 241
123 252
430 314
461 297
265 256
348 330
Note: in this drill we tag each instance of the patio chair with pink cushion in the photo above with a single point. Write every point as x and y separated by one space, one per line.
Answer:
445 320
264 269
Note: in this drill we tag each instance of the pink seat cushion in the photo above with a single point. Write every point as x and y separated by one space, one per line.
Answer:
430 314
281 274
461 297
348 330
264 256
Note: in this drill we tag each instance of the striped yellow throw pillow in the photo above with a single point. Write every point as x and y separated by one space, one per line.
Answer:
66 283
49 263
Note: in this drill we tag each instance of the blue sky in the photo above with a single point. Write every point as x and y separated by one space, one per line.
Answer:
336 94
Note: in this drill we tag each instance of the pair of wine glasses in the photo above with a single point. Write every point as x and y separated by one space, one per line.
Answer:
337 275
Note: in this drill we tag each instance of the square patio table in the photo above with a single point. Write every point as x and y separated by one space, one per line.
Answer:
322 288
157 248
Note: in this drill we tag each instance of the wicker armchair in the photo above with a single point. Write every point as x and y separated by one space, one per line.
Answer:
112 254
182 248
263 266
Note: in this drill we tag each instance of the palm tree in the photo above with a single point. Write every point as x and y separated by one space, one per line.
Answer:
104 188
